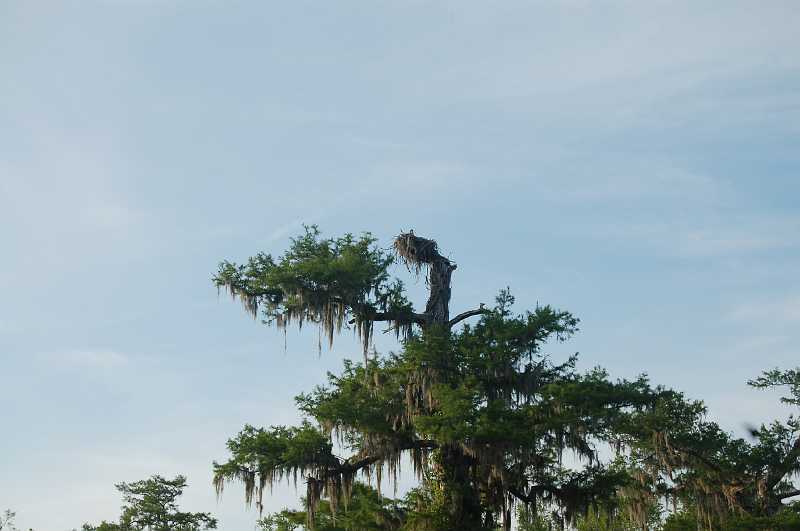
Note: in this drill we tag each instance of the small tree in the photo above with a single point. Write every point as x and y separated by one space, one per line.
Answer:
150 505
712 479
482 411
7 520
104 526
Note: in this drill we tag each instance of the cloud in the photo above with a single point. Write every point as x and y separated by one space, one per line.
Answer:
674 223
609 179
65 191
101 358
785 310
714 242
423 176
748 233
8 327
110 216
281 232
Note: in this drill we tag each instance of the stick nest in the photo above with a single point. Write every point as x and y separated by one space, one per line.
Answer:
415 251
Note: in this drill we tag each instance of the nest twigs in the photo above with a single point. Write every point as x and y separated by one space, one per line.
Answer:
417 252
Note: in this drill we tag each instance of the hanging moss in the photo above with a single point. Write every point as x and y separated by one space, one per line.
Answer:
484 413
333 283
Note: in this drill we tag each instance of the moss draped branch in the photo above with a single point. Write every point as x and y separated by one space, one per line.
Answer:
482 410
339 283
262 457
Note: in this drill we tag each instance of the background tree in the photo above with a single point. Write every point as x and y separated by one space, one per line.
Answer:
366 510
103 526
150 504
7 520
712 479
482 411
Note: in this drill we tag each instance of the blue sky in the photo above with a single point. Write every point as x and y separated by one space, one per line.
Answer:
637 163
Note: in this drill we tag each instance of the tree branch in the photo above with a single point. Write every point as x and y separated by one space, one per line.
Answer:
785 467
410 317
789 494
706 461
531 496
419 318
350 467
460 317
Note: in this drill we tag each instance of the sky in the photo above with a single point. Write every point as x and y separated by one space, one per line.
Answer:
635 163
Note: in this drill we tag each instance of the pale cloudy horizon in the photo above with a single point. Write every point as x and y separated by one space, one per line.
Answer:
636 163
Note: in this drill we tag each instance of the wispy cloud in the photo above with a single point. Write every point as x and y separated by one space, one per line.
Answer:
7 326
625 179
65 189
283 231
781 310
704 231
111 216
713 242
423 176
96 358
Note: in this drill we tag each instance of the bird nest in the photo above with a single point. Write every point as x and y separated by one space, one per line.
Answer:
415 251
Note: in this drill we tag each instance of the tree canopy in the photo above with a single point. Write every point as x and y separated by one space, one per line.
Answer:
7 520
150 505
723 481
484 412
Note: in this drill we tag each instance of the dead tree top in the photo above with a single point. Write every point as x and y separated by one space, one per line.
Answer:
418 252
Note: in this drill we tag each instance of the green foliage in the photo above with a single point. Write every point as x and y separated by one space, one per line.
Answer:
778 378
602 520
683 520
104 526
426 506
721 478
270 455
365 510
488 391
486 413
326 281
530 520
150 504
689 519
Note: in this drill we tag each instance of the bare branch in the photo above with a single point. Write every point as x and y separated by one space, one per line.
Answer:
788 464
531 496
349 467
418 318
460 317
419 253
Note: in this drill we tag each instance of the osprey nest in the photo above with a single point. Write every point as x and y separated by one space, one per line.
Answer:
417 252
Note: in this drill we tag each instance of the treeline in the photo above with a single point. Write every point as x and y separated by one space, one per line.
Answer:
148 504
484 412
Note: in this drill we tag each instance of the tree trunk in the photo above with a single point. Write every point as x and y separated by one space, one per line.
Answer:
461 494
438 307
419 253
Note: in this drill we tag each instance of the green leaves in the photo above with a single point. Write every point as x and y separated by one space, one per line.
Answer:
269 455
486 413
721 477
150 505
366 510
359 402
779 378
454 417
330 282
487 390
